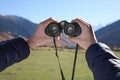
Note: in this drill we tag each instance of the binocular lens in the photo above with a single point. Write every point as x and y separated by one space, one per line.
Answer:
69 29
52 30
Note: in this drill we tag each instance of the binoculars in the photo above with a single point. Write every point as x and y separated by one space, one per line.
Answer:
55 29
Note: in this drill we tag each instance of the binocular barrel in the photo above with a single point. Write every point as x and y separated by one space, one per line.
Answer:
55 29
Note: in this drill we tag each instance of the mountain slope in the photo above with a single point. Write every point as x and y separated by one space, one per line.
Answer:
110 34
15 26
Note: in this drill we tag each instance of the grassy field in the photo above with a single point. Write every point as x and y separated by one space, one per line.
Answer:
42 64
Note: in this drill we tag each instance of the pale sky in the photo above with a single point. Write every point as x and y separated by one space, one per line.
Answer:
92 11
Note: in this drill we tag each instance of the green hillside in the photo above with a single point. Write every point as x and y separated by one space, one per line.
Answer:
42 65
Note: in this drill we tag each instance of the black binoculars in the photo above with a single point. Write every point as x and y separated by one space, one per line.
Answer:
55 29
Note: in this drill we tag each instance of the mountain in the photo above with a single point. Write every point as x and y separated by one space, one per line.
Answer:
97 27
110 34
15 26
65 41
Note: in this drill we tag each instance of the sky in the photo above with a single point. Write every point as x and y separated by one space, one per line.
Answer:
94 12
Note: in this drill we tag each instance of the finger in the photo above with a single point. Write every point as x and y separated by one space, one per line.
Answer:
81 22
46 22
43 25
73 39
49 21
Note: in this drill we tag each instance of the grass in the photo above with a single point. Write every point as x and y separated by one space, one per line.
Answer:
42 64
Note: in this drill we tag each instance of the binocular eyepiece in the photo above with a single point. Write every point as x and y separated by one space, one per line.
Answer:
55 29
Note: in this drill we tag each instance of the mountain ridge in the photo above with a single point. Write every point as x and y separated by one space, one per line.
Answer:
14 26
110 34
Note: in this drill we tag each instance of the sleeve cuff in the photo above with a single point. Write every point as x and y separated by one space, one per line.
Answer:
21 47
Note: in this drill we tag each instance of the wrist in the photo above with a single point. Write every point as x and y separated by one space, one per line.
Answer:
31 43
91 43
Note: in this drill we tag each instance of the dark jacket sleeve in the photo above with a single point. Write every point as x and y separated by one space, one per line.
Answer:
13 51
103 62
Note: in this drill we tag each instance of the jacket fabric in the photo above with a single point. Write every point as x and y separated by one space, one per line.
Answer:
100 58
103 62
13 51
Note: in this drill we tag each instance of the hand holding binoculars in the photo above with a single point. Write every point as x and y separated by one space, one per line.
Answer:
55 29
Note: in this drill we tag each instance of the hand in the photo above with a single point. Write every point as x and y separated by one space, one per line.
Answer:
87 36
39 38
